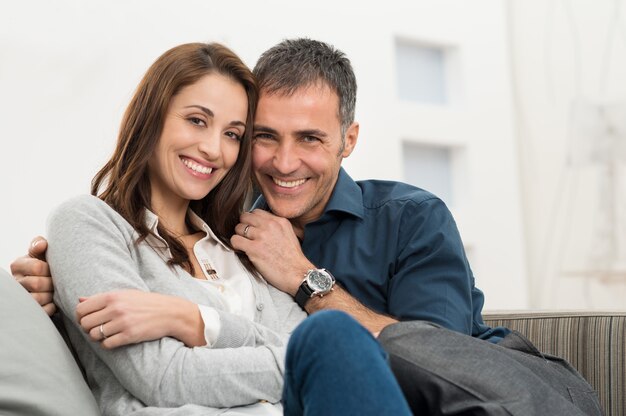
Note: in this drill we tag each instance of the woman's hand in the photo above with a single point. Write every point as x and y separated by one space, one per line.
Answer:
131 316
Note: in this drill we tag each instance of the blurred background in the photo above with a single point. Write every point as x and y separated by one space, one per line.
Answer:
514 112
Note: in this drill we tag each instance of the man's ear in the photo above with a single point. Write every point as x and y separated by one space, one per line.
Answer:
351 137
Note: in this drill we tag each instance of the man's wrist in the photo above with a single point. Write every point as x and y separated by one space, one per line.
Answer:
316 283
297 277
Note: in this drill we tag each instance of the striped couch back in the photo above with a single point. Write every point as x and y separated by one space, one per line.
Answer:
593 342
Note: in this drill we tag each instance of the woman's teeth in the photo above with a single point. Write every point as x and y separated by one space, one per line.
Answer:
197 168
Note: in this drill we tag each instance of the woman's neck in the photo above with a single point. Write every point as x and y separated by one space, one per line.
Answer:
172 216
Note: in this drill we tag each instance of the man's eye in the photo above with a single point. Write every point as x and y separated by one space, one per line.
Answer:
265 136
310 139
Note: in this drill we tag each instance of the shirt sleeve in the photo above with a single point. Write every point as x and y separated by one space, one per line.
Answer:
237 331
432 280
211 320
90 252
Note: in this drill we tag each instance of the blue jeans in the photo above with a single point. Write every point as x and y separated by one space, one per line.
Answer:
334 366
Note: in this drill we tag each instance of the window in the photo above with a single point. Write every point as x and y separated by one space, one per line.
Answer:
438 169
421 72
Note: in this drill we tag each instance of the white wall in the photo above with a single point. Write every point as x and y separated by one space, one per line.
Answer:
566 52
481 121
68 68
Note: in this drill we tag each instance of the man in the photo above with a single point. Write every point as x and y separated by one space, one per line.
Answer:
394 250
304 127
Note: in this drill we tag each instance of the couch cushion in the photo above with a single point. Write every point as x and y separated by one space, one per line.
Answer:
593 342
38 375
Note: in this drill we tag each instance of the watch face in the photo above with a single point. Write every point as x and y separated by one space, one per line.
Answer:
319 281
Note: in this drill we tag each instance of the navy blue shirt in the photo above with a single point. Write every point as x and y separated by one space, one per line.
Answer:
396 248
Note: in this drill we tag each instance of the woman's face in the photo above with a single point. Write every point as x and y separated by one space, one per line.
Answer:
200 141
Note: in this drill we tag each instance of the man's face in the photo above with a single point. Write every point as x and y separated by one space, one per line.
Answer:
297 151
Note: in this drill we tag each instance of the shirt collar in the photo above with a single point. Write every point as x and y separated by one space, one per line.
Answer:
152 221
347 197
200 224
154 239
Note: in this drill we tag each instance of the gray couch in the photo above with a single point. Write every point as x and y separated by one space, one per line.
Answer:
38 375
593 342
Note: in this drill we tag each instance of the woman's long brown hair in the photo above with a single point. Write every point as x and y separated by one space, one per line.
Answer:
123 182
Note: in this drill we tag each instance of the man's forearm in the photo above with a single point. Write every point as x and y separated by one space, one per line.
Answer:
341 300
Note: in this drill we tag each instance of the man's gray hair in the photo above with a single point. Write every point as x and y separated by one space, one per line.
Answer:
300 63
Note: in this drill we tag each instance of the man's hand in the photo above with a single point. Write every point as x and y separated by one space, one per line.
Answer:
33 273
271 244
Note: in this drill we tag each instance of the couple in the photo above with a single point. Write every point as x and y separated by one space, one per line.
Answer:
203 327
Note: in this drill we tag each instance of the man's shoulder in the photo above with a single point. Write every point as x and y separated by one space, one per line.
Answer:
378 193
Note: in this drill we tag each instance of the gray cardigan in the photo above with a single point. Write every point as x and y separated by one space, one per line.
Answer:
92 250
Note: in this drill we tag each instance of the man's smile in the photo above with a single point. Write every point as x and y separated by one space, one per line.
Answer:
288 184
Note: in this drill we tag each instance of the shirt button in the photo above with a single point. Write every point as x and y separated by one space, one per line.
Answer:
260 307
221 288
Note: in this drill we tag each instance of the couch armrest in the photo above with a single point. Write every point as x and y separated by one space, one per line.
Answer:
38 375
593 342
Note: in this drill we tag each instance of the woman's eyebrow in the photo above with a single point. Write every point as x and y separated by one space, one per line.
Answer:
203 109
209 113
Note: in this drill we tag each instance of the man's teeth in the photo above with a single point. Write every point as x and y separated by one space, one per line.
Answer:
289 184
197 168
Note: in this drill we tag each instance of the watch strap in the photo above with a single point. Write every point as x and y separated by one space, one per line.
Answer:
303 294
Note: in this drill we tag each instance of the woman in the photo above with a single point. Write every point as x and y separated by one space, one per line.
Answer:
167 203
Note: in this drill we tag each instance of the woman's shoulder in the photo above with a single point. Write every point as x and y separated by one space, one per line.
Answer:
81 205
83 210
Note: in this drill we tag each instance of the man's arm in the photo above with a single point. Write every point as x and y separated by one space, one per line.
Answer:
343 301
273 247
86 228
33 273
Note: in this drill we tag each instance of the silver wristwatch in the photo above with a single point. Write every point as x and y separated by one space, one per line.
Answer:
317 282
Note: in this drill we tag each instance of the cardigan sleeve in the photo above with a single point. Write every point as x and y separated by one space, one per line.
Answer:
90 251
290 314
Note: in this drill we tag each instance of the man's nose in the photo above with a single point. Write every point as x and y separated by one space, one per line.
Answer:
286 159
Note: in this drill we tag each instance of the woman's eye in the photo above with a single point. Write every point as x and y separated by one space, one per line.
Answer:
233 135
196 121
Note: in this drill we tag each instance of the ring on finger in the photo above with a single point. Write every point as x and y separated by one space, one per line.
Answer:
245 231
102 331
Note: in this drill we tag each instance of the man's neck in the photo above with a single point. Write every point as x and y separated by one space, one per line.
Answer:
298 228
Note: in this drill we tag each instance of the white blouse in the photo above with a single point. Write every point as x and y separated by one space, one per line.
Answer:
227 278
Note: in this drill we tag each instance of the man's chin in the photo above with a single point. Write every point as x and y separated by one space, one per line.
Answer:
288 211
